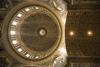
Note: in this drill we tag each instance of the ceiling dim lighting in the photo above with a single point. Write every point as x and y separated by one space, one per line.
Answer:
27 55
12 32
19 15
63 50
19 49
27 9
14 23
89 33
71 33
14 42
